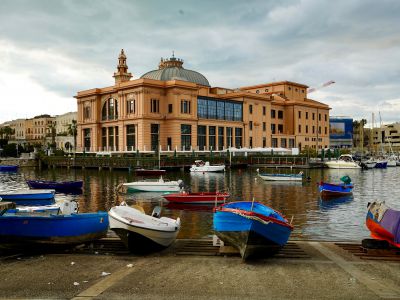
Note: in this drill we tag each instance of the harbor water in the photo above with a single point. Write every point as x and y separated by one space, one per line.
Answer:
341 219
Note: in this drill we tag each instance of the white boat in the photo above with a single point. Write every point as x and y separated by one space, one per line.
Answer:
368 164
201 166
141 232
392 161
281 177
155 185
345 161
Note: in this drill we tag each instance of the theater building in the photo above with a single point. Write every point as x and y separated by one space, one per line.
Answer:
173 108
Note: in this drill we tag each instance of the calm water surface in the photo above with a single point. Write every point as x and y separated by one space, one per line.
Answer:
341 219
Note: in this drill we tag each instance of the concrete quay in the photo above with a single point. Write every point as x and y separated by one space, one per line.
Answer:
197 270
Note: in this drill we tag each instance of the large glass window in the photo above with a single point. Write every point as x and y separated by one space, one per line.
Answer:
238 111
154 131
274 142
283 142
201 137
280 114
211 137
202 108
229 137
130 137
110 110
130 106
212 109
104 138
229 111
221 110
273 128
87 140
238 137
186 136
208 108
221 138
116 133
280 128
111 137
155 106
185 107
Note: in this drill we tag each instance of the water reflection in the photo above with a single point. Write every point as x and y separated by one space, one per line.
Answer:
340 219
333 203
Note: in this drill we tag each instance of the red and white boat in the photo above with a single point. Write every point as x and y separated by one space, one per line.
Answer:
197 198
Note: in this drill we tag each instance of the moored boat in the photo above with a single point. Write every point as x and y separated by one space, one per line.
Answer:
328 190
197 198
383 223
8 168
25 228
345 161
201 166
281 176
59 186
252 227
29 197
157 185
141 232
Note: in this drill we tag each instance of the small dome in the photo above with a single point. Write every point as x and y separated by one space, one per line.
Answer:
171 69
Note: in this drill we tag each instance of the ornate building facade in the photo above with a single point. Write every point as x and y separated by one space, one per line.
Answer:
176 109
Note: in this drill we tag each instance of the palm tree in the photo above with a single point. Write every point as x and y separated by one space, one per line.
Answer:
7 131
73 130
52 128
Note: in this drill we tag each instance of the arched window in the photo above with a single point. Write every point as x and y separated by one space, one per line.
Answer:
110 110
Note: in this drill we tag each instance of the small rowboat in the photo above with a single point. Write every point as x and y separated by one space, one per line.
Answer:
141 232
280 177
197 198
26 228
59 186
29 197
334 190
328 190
8 168
252 227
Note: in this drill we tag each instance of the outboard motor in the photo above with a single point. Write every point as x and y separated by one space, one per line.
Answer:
181 184
68 207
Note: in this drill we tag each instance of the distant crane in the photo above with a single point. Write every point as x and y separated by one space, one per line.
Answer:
310 90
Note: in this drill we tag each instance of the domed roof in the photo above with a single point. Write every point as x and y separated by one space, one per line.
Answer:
171 69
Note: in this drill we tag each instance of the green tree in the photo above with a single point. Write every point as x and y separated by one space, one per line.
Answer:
52 129
72 129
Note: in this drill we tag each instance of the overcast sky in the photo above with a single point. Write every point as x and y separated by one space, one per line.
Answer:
51 49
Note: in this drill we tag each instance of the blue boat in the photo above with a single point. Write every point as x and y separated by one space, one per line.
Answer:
330 190
29 197
252 227
23 228
381 164
59 186
8 168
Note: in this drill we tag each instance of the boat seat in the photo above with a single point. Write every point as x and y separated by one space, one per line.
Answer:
156 212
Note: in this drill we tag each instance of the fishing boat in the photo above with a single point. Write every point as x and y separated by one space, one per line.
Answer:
29 197
328 190
280 176
383 223
8 168
154 185
149 172
141 232
201 166
252 227
29 228
59 186
197 198
345 161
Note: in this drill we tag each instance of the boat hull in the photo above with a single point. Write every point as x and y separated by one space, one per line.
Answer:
197 198
53 229
342 165
281 177
64 186
329 190
381 165
251 233
6 168
211 168
153 188
384 223
29 197
138 237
